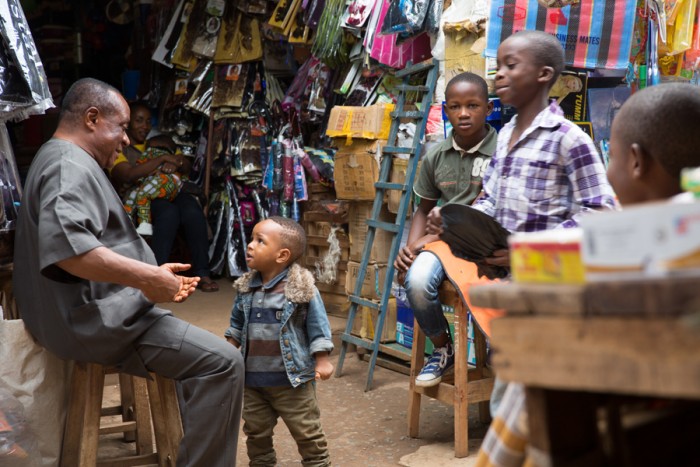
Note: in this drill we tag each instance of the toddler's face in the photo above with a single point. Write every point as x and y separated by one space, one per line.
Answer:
264 246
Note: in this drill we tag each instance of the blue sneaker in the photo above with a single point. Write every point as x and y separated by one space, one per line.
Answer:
440 362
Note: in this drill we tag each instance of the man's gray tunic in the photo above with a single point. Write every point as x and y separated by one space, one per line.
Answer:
68 208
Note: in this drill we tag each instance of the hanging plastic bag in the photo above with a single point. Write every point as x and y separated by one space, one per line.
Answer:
301 192
313 9
288 171
405 16
237 243
680 33
24 89
385 49
432 22
358 13
39 380
269 175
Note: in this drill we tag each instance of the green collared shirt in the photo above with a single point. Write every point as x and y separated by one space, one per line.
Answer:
448 175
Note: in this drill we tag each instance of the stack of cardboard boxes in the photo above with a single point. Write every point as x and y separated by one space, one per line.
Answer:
326 217
359 134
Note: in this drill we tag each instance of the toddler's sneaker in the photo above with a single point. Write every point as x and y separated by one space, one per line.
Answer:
440 362
145 229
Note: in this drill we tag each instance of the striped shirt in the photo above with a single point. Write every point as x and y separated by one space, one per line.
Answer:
264 366
550 176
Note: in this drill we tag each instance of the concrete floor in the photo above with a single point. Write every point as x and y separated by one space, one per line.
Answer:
365 429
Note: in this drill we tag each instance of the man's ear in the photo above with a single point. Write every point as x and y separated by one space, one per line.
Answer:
284 255
546 74
91 116
489 107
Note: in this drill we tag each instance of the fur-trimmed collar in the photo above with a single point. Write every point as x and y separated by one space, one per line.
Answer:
298 289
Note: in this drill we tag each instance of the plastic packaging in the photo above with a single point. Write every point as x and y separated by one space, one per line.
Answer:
432 22
24 89
690 181
680 34
18 444
405 16
288 172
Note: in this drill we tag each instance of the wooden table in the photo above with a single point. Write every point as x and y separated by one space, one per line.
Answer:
586 350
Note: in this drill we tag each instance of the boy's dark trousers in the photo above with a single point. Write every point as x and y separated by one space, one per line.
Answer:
298 408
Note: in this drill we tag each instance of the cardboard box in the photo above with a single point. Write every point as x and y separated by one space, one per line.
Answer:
650 240
371 122
366 320
404 330
373 283
552 256
357 228
398 175
357 169
404 325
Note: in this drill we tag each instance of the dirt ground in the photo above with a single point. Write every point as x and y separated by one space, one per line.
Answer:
367 429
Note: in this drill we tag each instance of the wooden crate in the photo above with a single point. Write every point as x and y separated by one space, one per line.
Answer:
317 229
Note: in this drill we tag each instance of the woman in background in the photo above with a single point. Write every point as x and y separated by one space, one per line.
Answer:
168 216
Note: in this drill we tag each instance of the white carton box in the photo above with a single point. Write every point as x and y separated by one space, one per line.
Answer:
650 240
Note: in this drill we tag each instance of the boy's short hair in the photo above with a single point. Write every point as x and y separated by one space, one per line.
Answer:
292 236
468 77
545 49
665 121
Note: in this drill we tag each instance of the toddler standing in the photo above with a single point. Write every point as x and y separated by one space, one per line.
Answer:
280 324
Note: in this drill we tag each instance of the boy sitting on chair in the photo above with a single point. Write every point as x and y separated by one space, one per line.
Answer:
450 173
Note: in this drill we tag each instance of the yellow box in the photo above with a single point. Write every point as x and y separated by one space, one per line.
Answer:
371 122
373 283
547 257
366 320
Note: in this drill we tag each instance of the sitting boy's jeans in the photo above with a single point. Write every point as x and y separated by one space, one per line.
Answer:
298 408
422 283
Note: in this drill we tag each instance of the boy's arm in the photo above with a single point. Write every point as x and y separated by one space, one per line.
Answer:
233 333
586 172
417 237
324 367
318 328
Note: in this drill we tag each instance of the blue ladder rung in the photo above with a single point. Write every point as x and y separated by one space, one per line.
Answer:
409 88
390 186
397 150
417 68
389 227
414 114
358 341
364 302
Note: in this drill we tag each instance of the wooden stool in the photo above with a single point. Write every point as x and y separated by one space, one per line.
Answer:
80 440
470 385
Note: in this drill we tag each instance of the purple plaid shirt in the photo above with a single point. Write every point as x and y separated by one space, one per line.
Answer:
549 178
